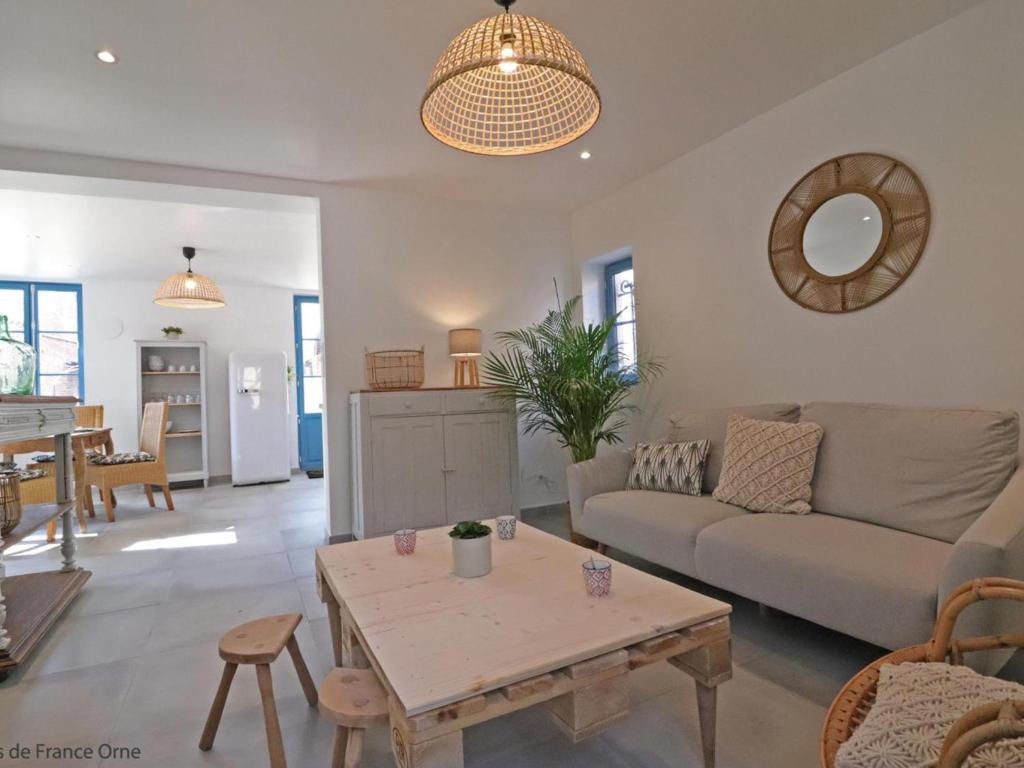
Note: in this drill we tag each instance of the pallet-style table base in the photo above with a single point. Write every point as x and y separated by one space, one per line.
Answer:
34 602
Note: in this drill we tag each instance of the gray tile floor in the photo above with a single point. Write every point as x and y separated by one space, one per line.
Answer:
134 661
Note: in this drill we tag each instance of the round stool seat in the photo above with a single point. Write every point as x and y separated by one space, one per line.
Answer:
353 698
260 641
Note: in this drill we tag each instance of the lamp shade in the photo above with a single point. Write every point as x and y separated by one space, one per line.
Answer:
510 85
175 292
189 290
465 342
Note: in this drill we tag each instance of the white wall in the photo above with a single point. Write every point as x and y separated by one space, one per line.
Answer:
255 318
950 104
395 270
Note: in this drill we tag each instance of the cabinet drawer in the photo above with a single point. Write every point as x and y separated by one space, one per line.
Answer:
471 402
404 403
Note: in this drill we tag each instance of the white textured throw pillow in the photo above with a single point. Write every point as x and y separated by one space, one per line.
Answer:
669 467
768 465
916 705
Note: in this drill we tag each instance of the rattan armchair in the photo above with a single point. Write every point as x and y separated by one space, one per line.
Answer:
152 440
979 726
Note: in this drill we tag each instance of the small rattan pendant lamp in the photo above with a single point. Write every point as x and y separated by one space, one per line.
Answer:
189 290
510 85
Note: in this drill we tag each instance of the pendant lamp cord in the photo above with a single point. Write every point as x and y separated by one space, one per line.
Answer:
506 4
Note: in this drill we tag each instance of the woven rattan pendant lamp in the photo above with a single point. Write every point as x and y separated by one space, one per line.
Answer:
189 290
510 85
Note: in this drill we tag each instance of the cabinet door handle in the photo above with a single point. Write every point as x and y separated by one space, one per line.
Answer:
446 470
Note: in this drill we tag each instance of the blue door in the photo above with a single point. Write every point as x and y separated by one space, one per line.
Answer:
309 382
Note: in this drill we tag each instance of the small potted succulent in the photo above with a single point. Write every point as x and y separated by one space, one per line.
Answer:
471 549
172 332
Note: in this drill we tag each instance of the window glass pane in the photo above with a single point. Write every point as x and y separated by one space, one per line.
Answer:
312 394
309 316
58 353
627 344
12 304
312 359
66 386
623 288
57 311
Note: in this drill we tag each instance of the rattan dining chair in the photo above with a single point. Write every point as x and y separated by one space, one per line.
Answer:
152 440
89 416
854 701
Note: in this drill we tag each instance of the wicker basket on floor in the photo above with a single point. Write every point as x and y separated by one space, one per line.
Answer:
10 503
853 703
395 369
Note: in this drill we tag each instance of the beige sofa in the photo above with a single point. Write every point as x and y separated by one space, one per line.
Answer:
908 503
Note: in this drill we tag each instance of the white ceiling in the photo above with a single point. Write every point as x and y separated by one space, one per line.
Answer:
330 89
65 228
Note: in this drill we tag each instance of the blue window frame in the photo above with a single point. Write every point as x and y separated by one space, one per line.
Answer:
620 302
49 317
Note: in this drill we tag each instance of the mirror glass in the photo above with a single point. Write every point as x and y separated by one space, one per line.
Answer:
843 234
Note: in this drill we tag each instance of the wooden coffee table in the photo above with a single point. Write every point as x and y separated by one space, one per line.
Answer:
455 652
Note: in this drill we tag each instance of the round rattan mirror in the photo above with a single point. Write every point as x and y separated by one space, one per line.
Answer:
849 232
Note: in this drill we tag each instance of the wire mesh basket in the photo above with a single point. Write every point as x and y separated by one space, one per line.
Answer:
395 369
10 502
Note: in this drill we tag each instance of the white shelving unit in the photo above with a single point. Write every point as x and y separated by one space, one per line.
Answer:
187 460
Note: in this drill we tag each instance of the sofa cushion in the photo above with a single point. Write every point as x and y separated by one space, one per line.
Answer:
929 471
669 467
659 527
711 425
768 465
870 582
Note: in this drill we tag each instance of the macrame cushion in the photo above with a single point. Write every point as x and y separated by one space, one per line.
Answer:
915 706
130 457
768 465
669 467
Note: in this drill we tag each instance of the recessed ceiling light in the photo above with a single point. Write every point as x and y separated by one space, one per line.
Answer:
585 154
106 56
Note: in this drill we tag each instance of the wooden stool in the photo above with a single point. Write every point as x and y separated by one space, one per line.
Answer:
259 642
352 698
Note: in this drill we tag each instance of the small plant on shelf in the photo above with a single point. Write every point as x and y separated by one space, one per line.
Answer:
469 529
172 332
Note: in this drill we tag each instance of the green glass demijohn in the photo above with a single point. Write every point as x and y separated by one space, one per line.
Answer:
17 364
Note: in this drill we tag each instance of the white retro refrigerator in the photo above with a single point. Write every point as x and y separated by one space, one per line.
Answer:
258 395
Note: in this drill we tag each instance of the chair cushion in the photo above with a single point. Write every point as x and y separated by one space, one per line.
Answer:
669 467
711 425
916 705
768 465
43 458
870 582
25 475
659 527
130 457
929 471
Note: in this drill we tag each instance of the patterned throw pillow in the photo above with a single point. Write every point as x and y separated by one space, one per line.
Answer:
915 707
131 457
669 467
768 465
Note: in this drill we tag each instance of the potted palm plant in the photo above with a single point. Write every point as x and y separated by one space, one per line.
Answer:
563 377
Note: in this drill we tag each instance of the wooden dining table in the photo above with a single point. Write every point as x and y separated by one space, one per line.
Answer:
82 440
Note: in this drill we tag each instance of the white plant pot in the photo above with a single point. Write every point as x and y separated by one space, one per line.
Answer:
472 557
172 336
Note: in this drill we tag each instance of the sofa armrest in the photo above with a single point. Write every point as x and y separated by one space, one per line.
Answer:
599 475
992 546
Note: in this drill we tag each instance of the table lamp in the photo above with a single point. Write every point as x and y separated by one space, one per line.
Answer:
465 345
